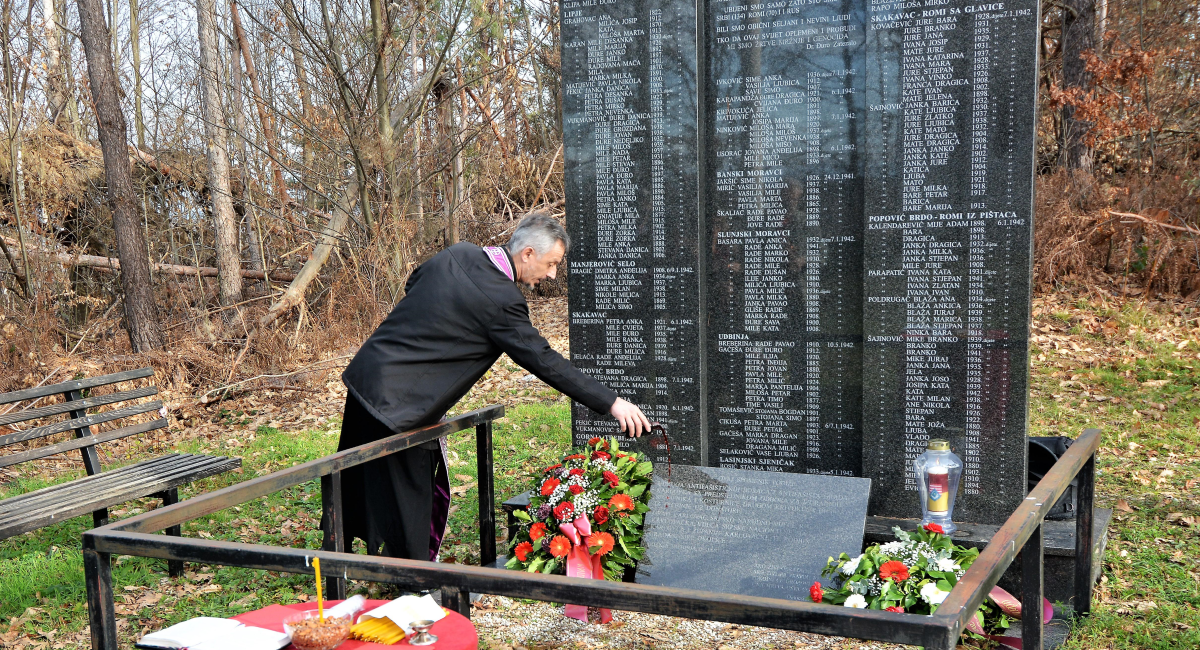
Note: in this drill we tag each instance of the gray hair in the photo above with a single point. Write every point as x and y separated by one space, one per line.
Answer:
538 231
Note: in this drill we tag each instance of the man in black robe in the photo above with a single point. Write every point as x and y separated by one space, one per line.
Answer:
462 309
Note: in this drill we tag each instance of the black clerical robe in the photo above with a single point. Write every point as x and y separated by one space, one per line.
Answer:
459 313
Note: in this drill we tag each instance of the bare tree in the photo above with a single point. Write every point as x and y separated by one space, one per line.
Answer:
229 279
1078 36
141 312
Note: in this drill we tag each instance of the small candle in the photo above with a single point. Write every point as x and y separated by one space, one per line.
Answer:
320 601
939 488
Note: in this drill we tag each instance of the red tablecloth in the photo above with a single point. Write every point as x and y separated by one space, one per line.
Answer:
454 632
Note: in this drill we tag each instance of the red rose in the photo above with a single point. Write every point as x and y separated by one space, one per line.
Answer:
620 503
537 531
595 441
611 478
601 515
575 489
551 468
893 570
560 546
603 540
935 528
578 471
563 511
600 455
523 550
898 610
575 457
549 485
816 593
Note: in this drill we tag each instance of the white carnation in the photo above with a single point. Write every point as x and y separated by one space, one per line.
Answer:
947 564
856 601
931 594
851 566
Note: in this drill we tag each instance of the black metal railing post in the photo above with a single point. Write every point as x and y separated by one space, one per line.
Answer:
1082 604
1031 591
487 494
335 535
102 615
457 600
169 498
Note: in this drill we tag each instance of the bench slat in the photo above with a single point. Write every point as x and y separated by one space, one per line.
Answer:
77 423
78 384
216 465
77 405
101 484
66 493
50 450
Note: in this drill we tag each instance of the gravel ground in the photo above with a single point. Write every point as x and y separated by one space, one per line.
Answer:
507 624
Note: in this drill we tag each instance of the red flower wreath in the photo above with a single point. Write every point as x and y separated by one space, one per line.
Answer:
537 531
893 570
560 546
816 593
563 511
603 540
523 550
549 485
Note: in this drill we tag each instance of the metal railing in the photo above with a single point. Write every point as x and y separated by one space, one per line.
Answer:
941 631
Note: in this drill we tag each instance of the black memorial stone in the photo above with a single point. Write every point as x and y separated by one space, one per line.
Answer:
747 532
629 106
844 196
783 126
949 169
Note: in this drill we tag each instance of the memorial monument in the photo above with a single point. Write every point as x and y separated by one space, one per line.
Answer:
802 232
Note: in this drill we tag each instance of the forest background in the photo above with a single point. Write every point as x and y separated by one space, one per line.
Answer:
274 169
268 172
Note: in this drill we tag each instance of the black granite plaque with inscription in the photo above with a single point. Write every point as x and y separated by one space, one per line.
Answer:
747 532
629 107
783 123
805 245
951 89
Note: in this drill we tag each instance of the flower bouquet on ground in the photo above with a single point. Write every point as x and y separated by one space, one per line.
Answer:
585 516
914 574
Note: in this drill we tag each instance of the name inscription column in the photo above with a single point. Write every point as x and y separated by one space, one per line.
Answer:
950 91
630 160
783 126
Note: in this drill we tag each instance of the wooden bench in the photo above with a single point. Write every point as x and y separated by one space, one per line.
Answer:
96 492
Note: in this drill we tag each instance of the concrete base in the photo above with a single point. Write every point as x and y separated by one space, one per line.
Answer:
1058 550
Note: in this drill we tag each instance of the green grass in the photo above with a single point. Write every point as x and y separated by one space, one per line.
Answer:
1150 452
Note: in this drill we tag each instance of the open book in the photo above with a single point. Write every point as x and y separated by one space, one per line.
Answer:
208 633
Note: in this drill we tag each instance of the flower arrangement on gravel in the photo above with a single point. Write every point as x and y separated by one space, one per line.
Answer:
588 508
913 575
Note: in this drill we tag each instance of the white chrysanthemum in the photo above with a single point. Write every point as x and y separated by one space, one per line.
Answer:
851 566
931 594
856 601
947 564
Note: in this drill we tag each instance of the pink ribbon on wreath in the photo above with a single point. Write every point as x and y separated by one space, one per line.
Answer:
581 564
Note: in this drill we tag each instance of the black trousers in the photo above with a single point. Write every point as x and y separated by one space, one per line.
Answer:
389 502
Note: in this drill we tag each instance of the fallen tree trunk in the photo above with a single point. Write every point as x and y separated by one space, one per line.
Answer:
113 265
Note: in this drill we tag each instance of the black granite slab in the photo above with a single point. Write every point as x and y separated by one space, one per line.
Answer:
629 130
948 231
748 532
783 141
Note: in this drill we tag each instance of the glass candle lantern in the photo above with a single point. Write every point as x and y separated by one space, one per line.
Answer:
937 472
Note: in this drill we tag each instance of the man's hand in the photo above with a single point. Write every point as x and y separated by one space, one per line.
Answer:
633 422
